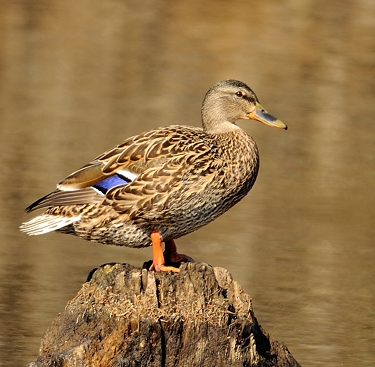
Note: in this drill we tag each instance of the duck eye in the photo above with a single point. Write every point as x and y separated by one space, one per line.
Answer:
239 94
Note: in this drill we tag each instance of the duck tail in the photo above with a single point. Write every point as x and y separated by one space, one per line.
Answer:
45 223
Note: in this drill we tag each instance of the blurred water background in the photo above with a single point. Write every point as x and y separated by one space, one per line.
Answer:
77 77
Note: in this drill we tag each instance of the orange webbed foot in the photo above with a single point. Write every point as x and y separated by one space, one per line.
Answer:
158 262
170 256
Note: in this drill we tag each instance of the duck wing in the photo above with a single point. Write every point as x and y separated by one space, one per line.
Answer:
145 161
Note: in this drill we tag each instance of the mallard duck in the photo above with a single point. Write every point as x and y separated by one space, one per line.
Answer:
162 184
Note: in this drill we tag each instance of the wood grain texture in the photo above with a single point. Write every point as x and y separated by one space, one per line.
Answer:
126 316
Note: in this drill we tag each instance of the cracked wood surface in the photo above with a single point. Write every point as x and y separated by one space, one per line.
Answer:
126 316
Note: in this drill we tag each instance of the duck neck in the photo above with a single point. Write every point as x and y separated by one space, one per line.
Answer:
215 118
225 127
238 144
239 153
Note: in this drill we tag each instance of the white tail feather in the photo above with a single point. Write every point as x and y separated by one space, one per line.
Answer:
46 223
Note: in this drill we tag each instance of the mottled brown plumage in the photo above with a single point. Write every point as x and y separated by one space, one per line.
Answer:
171 180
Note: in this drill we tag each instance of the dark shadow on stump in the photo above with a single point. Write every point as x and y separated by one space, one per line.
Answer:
126 316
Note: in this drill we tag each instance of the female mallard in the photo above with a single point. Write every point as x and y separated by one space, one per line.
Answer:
164 183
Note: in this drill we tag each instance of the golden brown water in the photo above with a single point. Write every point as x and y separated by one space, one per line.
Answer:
77 77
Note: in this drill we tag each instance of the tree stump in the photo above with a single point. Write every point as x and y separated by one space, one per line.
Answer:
126 316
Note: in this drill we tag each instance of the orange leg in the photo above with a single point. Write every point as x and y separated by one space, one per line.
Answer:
158 263
172 256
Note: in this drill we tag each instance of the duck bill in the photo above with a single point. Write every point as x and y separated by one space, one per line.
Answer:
260 114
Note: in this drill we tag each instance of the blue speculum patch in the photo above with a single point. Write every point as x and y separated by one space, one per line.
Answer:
111 181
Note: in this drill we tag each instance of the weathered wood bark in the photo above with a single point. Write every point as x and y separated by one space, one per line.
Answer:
125 316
